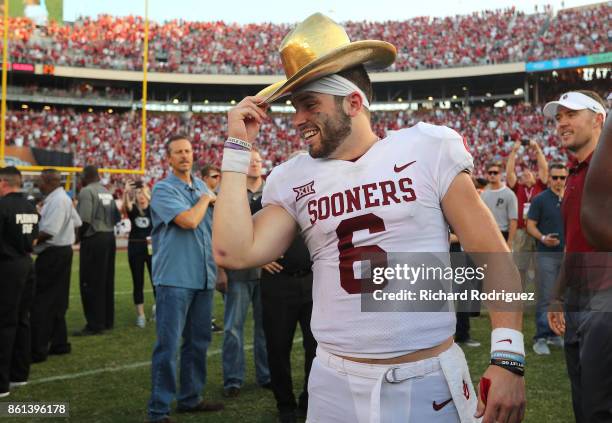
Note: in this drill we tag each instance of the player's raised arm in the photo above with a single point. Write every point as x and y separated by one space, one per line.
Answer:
478 233
239 240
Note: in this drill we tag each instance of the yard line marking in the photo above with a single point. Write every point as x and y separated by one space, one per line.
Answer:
116 293
120 368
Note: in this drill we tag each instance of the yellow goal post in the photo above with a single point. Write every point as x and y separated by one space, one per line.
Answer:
68 169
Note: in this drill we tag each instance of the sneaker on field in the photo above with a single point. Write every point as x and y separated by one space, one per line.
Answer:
555 341
141 321
540 347
215 327
472 343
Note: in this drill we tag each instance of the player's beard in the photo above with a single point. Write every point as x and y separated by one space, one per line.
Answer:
333 130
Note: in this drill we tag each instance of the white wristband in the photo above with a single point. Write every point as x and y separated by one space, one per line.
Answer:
542 238
241 143
235 160
510 340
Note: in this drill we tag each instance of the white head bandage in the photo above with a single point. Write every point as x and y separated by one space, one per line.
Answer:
575 101
334 85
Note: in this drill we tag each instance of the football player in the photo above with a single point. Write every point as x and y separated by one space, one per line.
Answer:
356 194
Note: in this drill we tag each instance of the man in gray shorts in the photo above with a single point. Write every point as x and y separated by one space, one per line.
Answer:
501 201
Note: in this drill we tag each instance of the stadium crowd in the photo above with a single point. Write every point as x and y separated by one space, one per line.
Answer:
487 37
109 139
82 90
516 134
576 32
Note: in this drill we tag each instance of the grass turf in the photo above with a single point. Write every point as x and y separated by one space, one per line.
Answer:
55 9
120 393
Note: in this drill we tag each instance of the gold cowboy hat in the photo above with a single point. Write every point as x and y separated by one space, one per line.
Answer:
319 47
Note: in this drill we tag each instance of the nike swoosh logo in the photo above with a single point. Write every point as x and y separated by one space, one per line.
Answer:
398 169
440 406
508 340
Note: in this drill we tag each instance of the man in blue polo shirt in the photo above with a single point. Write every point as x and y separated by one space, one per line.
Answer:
184 274
545 224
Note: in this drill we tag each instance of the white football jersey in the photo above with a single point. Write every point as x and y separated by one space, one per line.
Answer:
386 201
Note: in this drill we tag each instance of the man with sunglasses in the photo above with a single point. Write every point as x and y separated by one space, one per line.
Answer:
545 224
501 201
211 175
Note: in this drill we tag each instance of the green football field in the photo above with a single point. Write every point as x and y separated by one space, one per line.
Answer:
107 377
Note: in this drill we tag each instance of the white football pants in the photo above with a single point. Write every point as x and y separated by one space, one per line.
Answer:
435 390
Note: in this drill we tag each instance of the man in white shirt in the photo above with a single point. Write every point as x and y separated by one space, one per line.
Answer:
53 267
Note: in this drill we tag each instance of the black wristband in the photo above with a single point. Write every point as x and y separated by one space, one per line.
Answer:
515 367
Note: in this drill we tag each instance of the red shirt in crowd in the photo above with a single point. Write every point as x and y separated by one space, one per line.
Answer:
586 267
575 241
524 196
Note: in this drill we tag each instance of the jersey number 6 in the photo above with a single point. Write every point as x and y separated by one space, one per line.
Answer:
349 254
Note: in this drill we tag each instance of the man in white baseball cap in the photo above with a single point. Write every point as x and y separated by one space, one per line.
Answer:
575 100
585 287
579 116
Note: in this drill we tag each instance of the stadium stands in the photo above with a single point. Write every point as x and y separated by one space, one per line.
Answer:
482 38
576 32
113 140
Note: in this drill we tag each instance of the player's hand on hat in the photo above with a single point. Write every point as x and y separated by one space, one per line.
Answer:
505 398
273 267
245 119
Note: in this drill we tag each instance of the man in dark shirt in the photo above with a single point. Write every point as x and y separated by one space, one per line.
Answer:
586 276
18 229
286 299
545 224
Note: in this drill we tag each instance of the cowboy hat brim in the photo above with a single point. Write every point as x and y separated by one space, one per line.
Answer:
371 53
